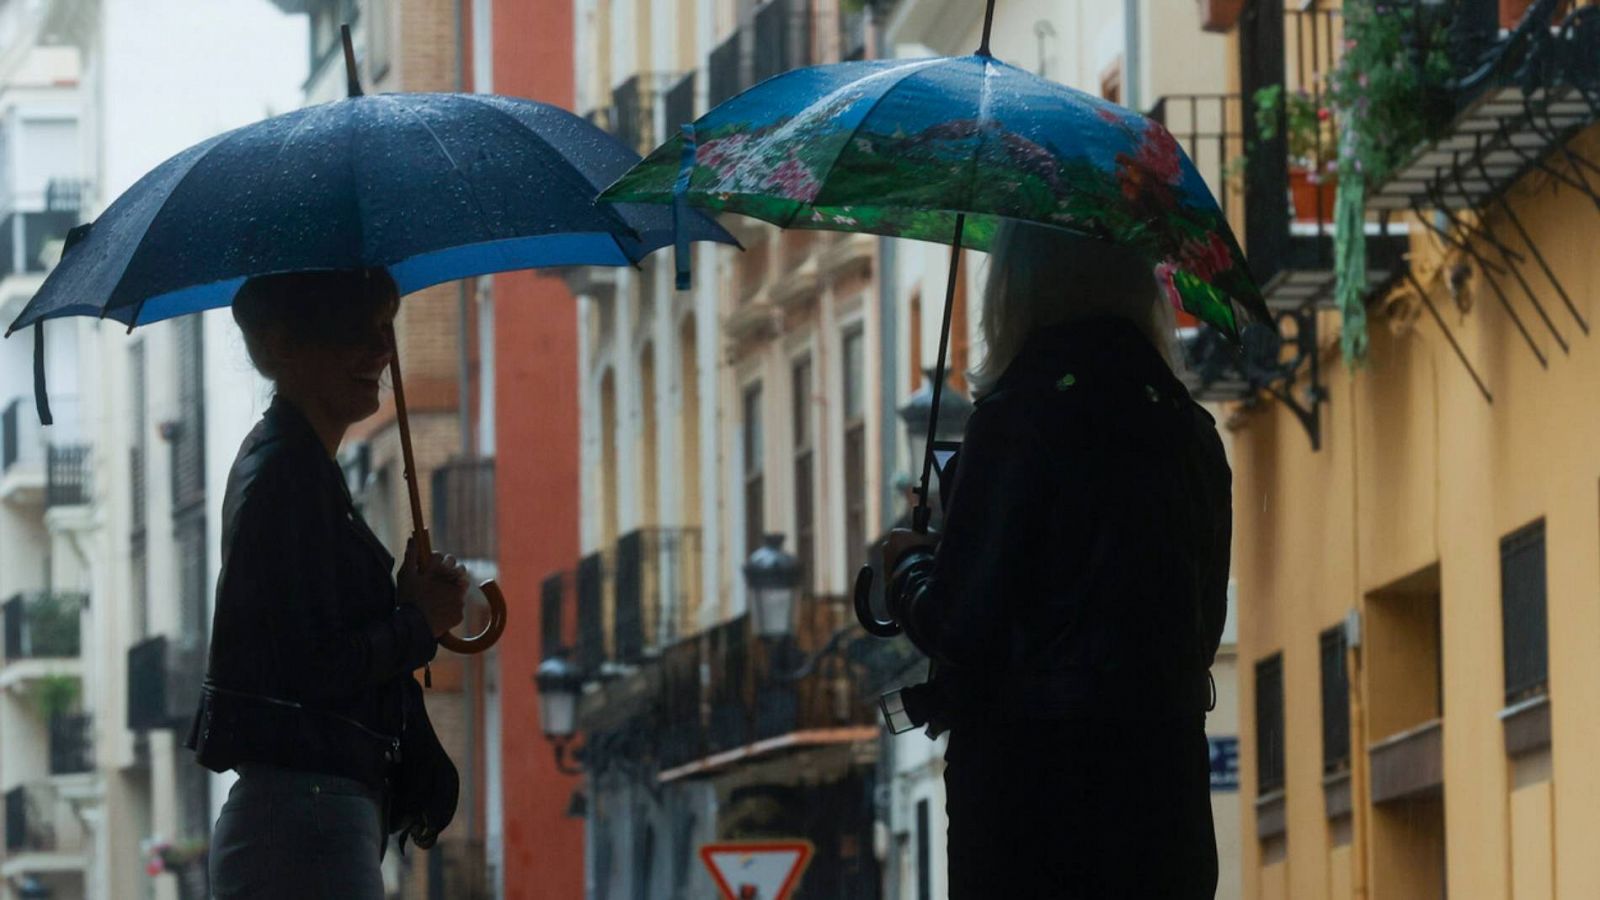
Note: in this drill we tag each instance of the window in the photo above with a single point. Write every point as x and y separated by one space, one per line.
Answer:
1522 605
805 524
754 482
1269 725
551 594
648 464
1335 701
608 458
855 451
915 339
139 490
1111 82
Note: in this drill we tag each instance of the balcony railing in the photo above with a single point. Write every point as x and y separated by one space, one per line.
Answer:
71 744
464 509
657 590
68 475
43 625
634 103
164 680
591 588
20 438
752 695
36 822
726 68
679 103
783 38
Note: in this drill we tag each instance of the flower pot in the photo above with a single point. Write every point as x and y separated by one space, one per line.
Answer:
1220 15
1313 202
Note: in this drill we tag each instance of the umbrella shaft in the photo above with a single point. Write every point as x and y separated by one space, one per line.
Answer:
424 545
924 510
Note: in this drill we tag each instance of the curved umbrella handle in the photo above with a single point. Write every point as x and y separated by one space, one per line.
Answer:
884 628
491 632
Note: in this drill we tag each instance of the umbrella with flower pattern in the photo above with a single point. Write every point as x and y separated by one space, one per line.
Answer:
942 150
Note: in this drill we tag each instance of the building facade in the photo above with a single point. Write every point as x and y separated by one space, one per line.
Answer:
1416 544
146 427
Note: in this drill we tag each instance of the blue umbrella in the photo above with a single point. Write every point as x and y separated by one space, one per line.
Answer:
431 187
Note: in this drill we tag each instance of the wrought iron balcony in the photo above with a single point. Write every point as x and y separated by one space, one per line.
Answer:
464 509
679 103
43 625
164 679
71 744
783 38
38 821
657 590
727 68
590 584
633 106
67 475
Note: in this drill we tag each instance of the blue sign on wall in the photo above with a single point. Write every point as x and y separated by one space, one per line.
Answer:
1224 763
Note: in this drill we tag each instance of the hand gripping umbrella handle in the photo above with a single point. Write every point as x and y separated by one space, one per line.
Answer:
491 632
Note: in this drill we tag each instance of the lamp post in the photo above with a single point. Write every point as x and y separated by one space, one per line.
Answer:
773 577
559 684
954 410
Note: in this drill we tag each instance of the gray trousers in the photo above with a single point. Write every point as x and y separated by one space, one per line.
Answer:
297 835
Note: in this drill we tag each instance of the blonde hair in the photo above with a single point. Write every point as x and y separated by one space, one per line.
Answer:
1041 276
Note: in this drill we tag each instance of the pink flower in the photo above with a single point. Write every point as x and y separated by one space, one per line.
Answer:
722 153
793 180
1324 114
1164 271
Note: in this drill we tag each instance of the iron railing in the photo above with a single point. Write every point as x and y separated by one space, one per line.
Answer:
783 38
43 625
679 103
31 819
725 68
633 121
67 476
164 680
657 589
65 195
464 509
591 590
71 744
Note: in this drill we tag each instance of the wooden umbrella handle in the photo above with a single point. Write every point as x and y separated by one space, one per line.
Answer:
490 633
491 591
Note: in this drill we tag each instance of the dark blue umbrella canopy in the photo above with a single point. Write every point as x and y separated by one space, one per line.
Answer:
434 187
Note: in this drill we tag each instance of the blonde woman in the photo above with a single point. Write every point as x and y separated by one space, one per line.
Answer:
1074 603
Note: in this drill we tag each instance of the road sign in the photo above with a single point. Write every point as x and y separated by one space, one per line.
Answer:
766 870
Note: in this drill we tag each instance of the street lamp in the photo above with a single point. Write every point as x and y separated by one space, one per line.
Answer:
954 410
773 578
559 684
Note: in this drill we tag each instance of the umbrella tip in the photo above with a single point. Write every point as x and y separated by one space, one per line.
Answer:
353 81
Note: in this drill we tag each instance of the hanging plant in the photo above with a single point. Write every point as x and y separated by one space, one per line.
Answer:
1390 91
56 695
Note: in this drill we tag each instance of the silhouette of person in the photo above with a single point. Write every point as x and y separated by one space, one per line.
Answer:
1074 602
312 641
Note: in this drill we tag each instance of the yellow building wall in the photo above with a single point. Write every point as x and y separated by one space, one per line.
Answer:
1416 469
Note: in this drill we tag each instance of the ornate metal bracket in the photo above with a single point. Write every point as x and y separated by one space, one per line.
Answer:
1267 367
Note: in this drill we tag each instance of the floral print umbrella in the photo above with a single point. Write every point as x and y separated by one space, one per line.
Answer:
905 147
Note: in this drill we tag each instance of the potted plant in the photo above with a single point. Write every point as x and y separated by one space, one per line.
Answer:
1313 144
1220 15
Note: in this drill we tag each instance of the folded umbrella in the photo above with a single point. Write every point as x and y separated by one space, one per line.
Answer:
432 187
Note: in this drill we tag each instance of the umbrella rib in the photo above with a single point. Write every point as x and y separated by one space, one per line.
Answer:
483 215
912 69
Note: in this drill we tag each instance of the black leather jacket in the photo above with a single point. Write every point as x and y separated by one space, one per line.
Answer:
309 649
1084 563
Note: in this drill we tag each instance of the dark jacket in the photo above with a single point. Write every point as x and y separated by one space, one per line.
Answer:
309 649
1083 566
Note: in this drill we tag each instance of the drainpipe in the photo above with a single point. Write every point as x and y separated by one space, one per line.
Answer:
1132 55
471 668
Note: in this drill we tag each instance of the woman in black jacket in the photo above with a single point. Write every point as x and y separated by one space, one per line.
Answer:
312 640
1075 601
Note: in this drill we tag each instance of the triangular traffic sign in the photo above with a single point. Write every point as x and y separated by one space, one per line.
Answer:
765 870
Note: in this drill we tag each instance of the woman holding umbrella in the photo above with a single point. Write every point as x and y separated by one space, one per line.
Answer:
1076 599
314 642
